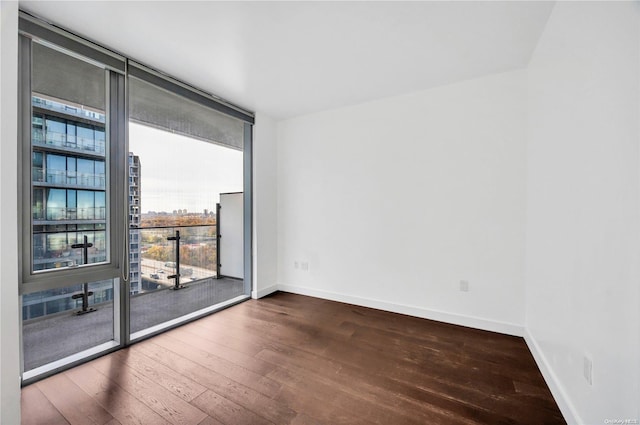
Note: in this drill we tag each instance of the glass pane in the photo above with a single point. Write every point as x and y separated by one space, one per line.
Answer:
37 167
52 329
175 181
86 175
38 203
56 169
100 174
55 131
68 151
71 134
56 204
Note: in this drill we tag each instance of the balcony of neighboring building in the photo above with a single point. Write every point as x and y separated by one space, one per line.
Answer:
71 179
67 109
67 133
60 142
69 215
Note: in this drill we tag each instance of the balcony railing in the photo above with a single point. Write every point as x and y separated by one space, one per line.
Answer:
67 109
51 332
63 214
63 140
197 255
62 177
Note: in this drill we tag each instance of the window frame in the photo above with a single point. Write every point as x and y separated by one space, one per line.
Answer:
115 128
119 68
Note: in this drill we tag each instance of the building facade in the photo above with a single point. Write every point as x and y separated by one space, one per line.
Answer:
69 192
135 274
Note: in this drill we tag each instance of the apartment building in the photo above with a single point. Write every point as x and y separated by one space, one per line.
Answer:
135 260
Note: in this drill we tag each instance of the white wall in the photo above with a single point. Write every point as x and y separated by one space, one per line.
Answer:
582 244
394 202
231 224
265 256
9 311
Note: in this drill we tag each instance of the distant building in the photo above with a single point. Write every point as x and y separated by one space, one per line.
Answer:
68 197
134 222
69 200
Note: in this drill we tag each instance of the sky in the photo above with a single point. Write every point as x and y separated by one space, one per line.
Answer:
179 172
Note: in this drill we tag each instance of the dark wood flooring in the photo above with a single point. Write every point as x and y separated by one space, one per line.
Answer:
289 359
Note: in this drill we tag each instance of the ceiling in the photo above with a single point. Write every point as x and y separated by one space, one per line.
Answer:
286 59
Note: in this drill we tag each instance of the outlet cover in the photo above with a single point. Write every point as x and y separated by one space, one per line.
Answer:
296 265
305 266
464 286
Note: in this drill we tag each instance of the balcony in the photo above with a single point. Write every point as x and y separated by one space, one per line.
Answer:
56 336
51 330
67 178
77 111
51 214
67 142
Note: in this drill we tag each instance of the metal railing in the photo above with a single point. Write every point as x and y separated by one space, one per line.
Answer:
64 140
63 177
164 263
63 214
67 109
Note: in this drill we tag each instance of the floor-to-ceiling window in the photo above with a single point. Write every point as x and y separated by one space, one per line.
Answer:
118 240
183 154
71 131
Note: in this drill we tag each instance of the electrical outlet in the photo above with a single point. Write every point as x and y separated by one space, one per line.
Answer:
587 370
305 266
464 286
296 265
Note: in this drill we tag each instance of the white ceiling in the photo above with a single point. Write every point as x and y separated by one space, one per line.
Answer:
292 58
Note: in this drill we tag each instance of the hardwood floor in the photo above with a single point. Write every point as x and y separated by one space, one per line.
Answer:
289 359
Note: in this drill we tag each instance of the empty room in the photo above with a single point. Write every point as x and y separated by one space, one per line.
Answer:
310 212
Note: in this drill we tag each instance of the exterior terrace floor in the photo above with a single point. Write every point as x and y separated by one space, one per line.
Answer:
56 336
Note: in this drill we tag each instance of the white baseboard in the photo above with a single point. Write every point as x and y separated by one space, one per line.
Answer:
264 292
559 394
453 318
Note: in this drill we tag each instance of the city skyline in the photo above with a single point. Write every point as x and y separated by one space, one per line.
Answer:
192 178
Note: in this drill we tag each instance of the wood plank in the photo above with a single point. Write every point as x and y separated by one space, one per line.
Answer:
226 411
440 401
168 405
303 419
375 404
239 394
36 409
210 421
304 397
222 367
126 408
74 404
206 329
165 376
290 359
247 361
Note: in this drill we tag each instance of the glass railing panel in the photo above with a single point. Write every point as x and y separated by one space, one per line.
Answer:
158 301
52 329
61 140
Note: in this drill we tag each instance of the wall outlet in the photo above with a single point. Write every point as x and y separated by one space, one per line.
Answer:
296 265
305 266
587 370
464 286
